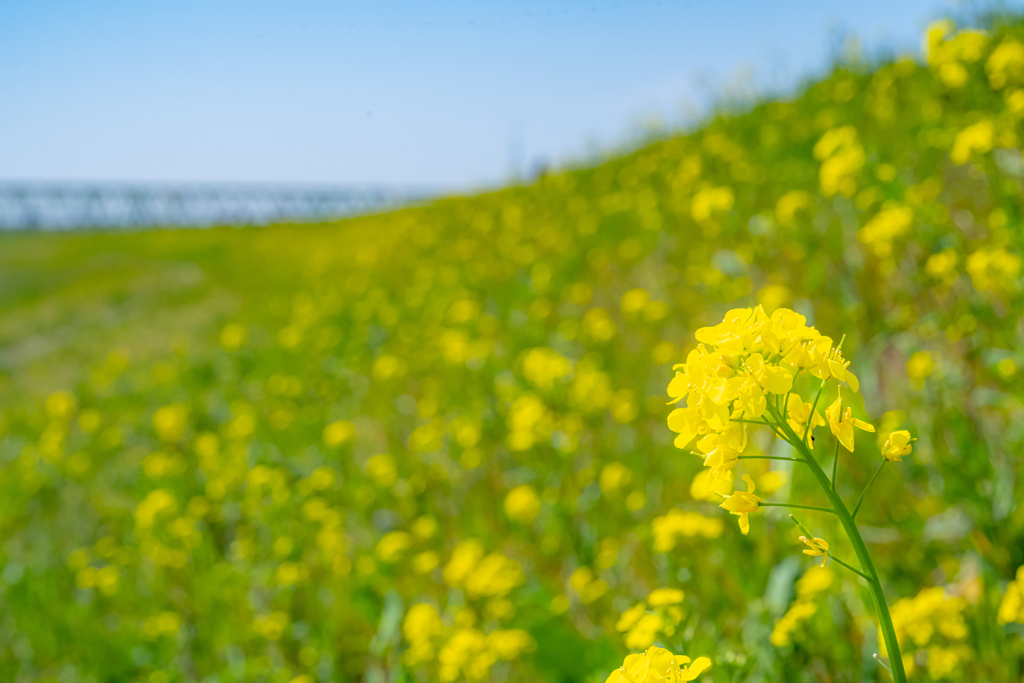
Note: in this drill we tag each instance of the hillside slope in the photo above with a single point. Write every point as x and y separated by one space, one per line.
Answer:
246 454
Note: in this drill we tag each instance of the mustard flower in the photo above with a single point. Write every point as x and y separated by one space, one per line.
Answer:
897 445
800 414
842 423
742 503
1011 608
816 547
662 597
658 664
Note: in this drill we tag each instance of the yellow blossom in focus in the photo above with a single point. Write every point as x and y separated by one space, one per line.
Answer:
800 415
742 504
658 664
842 423
897 445
816 547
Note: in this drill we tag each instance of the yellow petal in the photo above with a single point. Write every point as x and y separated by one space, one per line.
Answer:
852 380
744 523
776 380
684 438
699 666
866 426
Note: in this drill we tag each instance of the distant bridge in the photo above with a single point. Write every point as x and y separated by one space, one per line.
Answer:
65 206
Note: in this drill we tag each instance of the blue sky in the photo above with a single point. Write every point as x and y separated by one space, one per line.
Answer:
459 94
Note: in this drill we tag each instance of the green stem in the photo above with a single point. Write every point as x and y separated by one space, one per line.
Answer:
767 457
793 505
810 418
860 549
872 481
855 571
835 467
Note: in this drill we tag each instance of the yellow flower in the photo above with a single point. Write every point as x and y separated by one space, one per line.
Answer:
842 423
522 504
742 503
816 547
799 414
1011 609
658 664
897 446
662 597
771 378
630 617
721 459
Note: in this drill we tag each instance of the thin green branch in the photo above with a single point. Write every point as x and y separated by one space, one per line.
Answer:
835 466
810 418
767 457
855 571
892 645
870 482
810 535
794 505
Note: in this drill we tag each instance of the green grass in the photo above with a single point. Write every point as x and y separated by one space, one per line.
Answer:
416 326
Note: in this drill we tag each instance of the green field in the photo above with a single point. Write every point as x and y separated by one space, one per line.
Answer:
431 445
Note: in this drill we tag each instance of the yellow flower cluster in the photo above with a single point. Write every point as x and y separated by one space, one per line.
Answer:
948 52
460 650
887 225
931 626
676 524
1011 608
644 622
808 587
656 665
994 270
841 156
480 575
743 368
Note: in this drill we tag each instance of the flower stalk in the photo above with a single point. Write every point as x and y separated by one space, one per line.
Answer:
859 548
742 374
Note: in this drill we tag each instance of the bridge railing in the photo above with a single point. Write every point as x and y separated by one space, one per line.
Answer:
65 206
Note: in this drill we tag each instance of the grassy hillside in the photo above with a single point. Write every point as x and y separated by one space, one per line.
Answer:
250 454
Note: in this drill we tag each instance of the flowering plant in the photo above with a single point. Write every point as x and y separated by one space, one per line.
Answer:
743 374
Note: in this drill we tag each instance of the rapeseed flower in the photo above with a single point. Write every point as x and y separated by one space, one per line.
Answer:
742 503
816 547
801 417
842 422
658 664
897 445
1011 608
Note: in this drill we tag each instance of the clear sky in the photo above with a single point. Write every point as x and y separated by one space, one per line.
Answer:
452 93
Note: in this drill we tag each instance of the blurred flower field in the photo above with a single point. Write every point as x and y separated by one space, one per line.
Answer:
431 445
